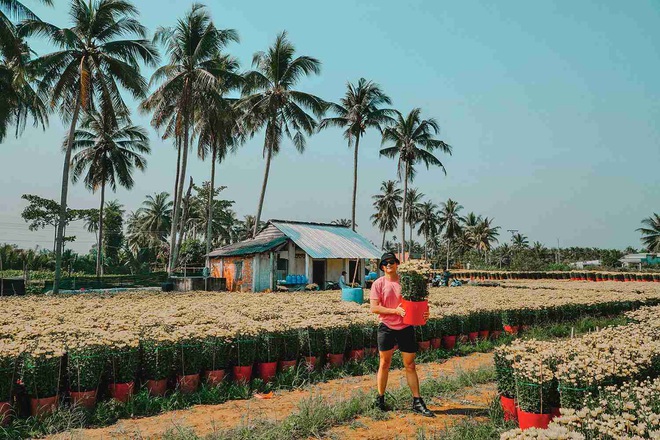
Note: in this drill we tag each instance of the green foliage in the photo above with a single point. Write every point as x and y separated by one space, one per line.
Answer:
123 364
506 385
157 359
8 371
422 333
336 339
215 354
312 342
414 287
356 337
290 345
189 357
42 375
270 347
244 351
85 367
113 236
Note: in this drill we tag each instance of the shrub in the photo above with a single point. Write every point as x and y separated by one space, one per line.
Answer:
85 367
157 359
42 374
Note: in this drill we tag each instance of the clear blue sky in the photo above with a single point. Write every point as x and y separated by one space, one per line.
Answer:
553 110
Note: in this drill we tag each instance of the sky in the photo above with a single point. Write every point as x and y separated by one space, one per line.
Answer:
552 110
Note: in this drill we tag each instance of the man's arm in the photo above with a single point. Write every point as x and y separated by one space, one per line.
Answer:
375 307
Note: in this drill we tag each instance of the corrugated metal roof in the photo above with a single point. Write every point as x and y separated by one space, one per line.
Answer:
321 240
264 241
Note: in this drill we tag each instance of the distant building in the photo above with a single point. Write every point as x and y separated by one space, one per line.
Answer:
639 259
317 251
583 264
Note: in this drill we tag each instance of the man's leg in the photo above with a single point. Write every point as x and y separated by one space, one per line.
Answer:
411 372
384 370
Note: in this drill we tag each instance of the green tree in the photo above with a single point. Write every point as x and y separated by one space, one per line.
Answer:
358 110
485 234
155 219
413 202
429 223
651 233
107 155
271 102
194 70
387 205
519 241
113 240
450 220
93 63
413 140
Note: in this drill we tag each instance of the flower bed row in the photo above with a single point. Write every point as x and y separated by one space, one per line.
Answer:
560 275
537 378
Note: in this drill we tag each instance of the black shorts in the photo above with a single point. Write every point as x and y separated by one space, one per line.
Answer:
405 338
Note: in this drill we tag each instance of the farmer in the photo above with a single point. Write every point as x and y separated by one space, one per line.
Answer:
342 280
385 299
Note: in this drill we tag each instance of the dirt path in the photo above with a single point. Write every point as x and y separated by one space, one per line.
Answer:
449 411
205 419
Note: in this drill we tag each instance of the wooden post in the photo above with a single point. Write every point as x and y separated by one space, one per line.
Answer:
308 268
272 271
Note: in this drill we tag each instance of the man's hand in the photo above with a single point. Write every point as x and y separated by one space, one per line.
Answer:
400 311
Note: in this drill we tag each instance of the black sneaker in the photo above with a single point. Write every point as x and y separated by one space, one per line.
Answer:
419 407
380 404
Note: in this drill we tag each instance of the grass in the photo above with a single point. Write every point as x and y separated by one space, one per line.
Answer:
142 405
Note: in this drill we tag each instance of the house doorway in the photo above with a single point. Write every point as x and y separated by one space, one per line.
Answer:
318 273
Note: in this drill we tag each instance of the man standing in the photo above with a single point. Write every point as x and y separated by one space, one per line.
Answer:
385 300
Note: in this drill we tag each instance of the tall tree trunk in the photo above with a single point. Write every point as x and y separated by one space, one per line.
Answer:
355 174
99 247
426 240
185 211
174 199
382 246
209 218
178 171
263 191
403 214
410 245
177 201
65 190
448 247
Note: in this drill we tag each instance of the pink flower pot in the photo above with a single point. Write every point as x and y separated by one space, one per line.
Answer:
310 362
448 342
187 384
86 399
472 336
528 420
242 373
483 334
287 365
44 406
356 355
267 370
424 345
157 387
336 360
214 377
509 408
436 343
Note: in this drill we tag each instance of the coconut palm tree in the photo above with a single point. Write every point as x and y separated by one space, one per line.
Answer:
96 58
450 220
519 241
485 234
156 217
387 208
651 233
271 102
107 155
413 201
12 11
218 133
358 110
429 223
342 222
412 140
195 69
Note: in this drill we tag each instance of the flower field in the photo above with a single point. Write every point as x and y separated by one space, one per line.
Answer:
73 344
581 275
606 383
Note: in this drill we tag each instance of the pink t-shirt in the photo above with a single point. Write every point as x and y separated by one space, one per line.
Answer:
389 294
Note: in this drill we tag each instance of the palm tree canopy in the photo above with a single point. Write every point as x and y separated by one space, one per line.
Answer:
94 58
196 68
108 153
155 215
413 140
485 234
429 220
520 241
270 100
651 233
450 219
413 205
387 205
359 109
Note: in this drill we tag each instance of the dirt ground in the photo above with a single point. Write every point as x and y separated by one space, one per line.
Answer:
204 419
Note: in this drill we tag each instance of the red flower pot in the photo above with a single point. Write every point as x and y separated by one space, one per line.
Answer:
121 391
415 311
242 374
483 334
424 345
287 365
310 362
187 384
157 387
336 360
214 377
5 413
555 412
472 336
436 343
511 329
267 370
448 342
44 406
532 420
462 339
509 408
356 355
495 334
86 399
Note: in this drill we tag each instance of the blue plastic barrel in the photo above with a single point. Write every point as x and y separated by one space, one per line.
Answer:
304 279
355 294
288 279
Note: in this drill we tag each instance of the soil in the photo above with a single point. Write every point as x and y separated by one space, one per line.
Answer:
205 419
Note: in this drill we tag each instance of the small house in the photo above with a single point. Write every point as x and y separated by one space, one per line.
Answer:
305 252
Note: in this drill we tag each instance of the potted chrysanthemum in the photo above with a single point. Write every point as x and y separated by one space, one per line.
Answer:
414 290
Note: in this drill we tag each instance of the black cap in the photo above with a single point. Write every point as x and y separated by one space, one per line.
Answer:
387 256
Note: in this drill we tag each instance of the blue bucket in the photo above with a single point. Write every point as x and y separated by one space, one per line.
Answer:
355 294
